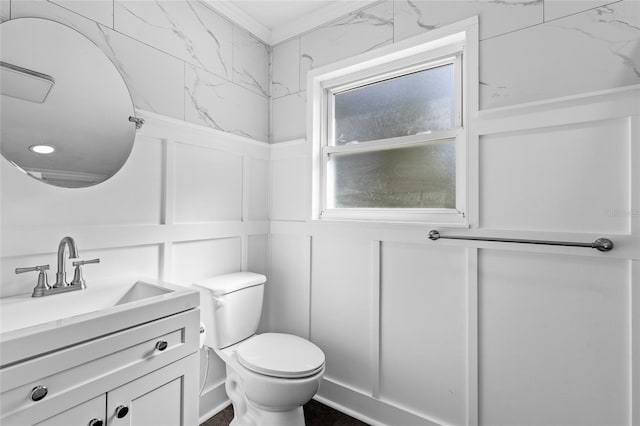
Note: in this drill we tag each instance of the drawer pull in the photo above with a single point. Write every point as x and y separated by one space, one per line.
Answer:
122 411
161 345
39 392
95 422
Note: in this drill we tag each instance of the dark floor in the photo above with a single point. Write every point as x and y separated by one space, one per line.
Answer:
315 414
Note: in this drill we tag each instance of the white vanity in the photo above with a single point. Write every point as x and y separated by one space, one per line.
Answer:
109 355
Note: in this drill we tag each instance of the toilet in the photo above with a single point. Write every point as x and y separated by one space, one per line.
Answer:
269 376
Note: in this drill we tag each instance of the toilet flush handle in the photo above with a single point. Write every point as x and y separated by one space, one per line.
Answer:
219 301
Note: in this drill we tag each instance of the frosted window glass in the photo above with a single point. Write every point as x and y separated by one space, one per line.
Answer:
420 176
408 105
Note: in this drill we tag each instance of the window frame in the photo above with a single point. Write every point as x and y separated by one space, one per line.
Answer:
447 45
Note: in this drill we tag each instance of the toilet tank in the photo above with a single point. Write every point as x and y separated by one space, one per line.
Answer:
230 307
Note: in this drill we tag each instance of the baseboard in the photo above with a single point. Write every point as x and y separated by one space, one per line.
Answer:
214 397
366 408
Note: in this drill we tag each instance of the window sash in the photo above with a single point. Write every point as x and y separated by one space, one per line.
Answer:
416 214
380 144
455 60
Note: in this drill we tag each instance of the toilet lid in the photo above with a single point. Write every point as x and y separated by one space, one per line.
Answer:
280 355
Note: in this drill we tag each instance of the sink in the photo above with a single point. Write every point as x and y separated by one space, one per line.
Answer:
25 311
141 290
34 325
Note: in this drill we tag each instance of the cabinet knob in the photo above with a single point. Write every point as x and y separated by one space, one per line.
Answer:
95 422
39 392
161 345
121 411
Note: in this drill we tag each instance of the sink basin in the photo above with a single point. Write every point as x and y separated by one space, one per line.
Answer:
141 290
34 325
25 311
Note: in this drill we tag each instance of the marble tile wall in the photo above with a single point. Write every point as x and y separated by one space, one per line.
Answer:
182 60
530 50
179 58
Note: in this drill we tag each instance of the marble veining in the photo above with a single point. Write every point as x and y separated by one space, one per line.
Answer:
222 105
613 27
184 29
97 10
153 78
202 111
215 39
593 50
554 9
497 17
285 69
354 34
250 62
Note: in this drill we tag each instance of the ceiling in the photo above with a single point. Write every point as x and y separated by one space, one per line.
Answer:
274 21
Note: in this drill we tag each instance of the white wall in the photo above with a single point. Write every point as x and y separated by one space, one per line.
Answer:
465 333
192 200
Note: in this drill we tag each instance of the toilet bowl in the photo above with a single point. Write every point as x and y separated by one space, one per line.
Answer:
269 376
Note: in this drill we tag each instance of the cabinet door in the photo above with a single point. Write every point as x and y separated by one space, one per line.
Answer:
166 397
89 413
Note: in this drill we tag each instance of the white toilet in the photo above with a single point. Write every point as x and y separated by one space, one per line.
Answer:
269 376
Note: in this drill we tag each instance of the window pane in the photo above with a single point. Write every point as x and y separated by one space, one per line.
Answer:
420 176
402 106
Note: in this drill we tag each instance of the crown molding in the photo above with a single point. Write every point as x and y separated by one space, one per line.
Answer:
291 29
317 18
232 12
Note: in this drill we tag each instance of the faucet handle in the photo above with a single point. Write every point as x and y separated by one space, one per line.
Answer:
84 262
43 282
78 279
40 268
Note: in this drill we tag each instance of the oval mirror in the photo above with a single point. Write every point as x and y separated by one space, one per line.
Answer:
65 109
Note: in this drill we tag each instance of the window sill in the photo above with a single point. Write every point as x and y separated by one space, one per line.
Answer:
434 217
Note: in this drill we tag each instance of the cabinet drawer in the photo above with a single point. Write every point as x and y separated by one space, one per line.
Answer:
88 369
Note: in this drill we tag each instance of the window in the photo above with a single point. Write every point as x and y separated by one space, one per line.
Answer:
389 133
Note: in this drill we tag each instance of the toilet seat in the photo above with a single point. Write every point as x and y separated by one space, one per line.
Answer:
280 355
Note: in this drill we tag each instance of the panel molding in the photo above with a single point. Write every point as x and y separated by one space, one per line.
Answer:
472 338
376 291
634 347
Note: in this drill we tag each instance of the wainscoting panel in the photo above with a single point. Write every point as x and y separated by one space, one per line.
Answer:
290 183
197 260
208 185
423 329
554 333
132 196
258 189
258 254
565 178
341 307
288 289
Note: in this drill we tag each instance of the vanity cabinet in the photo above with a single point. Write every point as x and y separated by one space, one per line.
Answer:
142 376
155 399
89 410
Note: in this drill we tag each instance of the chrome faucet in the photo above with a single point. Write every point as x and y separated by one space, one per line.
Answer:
43 288
61 275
